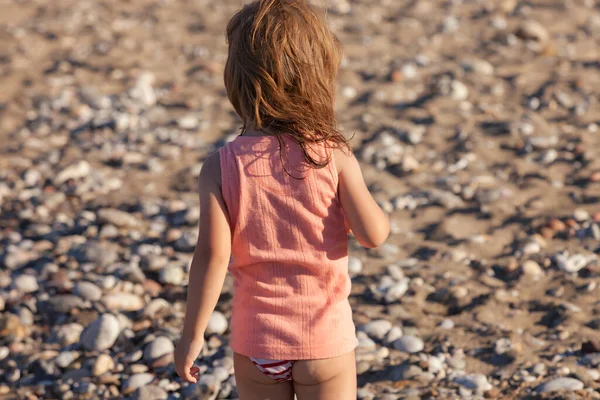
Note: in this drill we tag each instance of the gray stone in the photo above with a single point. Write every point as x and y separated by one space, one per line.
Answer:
136 381
378 329
533 30
572 263
409 344
103 364
157 348
217 324
476 382
150 392
78 170
118 218
221 374
355 266
26 283
88 291
172 275
396 291
101 334
406 372
63 303
123 302
560 384
394 334
68 334
532 269
447 324
66 358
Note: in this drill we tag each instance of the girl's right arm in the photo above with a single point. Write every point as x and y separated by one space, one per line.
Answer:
367 220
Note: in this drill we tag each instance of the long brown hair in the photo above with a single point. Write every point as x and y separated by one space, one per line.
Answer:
280 73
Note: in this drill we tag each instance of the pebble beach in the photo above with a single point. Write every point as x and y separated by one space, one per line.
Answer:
476 123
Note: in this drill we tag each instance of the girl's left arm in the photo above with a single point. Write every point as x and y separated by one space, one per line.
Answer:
208 268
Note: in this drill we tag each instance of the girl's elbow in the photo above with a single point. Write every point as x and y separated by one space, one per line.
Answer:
377 238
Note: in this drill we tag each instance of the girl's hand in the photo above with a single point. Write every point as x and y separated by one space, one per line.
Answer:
186 352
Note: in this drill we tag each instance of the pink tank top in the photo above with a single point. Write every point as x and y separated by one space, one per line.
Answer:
289 253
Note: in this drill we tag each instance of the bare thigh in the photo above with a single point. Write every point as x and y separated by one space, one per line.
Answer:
329 379
254 385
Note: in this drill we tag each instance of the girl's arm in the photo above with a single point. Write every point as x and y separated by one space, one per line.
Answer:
367 220
208 268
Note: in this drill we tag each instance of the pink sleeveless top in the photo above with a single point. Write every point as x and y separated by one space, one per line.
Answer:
289 253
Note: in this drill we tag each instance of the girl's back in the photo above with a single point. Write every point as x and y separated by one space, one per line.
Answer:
289 251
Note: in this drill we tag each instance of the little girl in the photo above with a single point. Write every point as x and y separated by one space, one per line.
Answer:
277 204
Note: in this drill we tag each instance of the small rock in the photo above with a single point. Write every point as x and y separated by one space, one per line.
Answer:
188 122
150 392
479 67
137 381
581 215
532 30
78 170
397 290
217 324
560 384
101 334
378 328
447 324
476 382
459 90
394 334
103 364
26 283
409 344
572 263
118 218
63 304
123 302
68 334
172 275
88 291
503 346
157 348
532 269
354 266
66 358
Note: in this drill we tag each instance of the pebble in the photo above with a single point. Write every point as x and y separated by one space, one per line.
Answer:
101 334
78 170
157 348
103 364
118 218
476 382
172 275
68 334
409 344
572 263
136 381
123 302
447 324
26 283
88 291
150 392
532 30
355 266
394 334
560 384
397 291
66 358
217 323
378 329
532 269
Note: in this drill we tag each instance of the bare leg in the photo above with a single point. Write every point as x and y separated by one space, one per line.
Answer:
329 379
254 385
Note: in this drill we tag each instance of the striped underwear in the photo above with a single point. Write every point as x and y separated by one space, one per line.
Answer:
279 370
